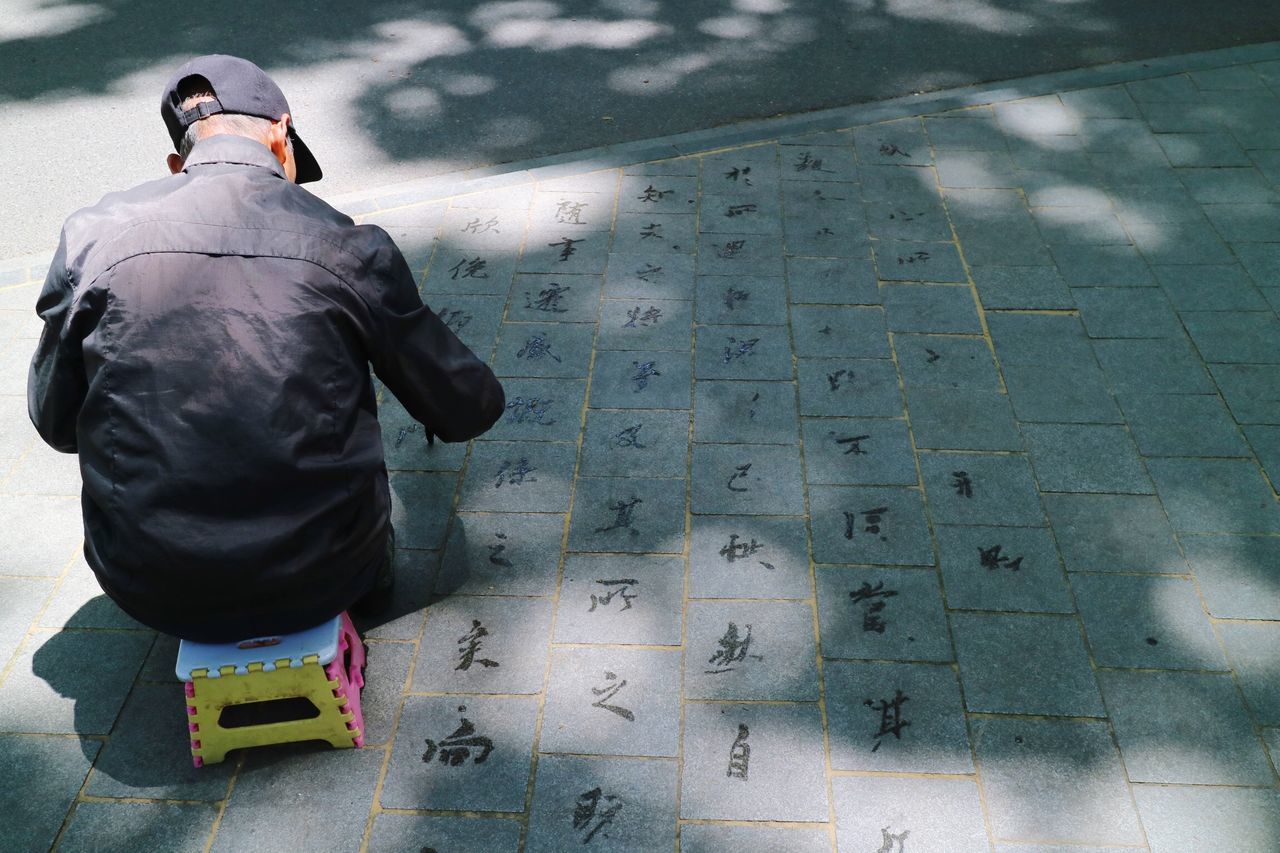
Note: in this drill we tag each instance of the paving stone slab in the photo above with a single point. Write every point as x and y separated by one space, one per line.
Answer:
849 387
1181 818
753 650
645 325
881 614
976 169
898 260
737 556
1265 441
934 814
1179 727
151 826
598 604
905 718
739 213
911 219
1239 576
1039 339
564 250
1146 622
1025 664
741 300
1243 337
539 410
962 419
472 269
606 803
478 751
44 471
1002 568
740 254
1252 392
1244 223
897 142
832 282
981 488
1215 495
640 380
554 298
21 599
401 620
839 332
1060 393
473 227
819 233
612 702
1103 266
658 194
749 412
1182 425
636 441
1254 651
52 770
627 514
742 352
1079 225
760 479
649 275
859 451
711 838
43 535
405 445
396 832
1199 287
900 182
386 677
945 361
1055 780
932 308
655 233
474 319
882 525
1085 458
1034 287
572 211
540 349
805 163
501 554
484 644
1127 312
753 762
517 476
1261 261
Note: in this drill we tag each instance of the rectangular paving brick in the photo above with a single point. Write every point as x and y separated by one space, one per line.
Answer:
740 254
1154 366
710 837
405 446
655 233
804 163
572 211
627 514
155 826
899 260
839 332
564 250
1191 817
750 412
859 451
742 352
1238 575
1127 312
1244 337
881 614
1039 339
741 556
900 182
1146 623
639 441
832 282
849 387
1202 287
936 814
393 832
511 476
896 142
53 770
1215 495
501 554
739 213
533 349
474 319
1002 568
474 270
945 361
759 479
658 324
827 233
544 298
1182 425
629 805
484 644
1253 648
981 488
640 380
1060 393
45 532
909 219
1102 266
540 410
1085 458
1114 533
649 275
756 650
883 525
931 308
962 419
599 605
741 300
658 194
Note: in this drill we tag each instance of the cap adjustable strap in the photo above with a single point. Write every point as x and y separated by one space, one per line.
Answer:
201 110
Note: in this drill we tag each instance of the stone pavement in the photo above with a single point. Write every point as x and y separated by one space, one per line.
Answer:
898 486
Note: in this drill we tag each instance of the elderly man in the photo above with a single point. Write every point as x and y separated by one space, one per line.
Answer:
206 352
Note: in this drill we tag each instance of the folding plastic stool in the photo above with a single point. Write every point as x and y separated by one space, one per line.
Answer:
322 665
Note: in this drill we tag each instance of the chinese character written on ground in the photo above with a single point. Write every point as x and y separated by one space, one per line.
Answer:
566 245
834 379
568 212
405 432
643 370
730 249
654 195
469 645
648 272
649 318
529 410
872 600
891 721
751 408
871 522
740 754
604 598
962 483
629 437
548 299
622 516
455 319
914 257
888 149
991 558
515 473
495 551
732 649
596 807
806 162
652 231
475 226
893 842
818 195
469 268
735 173
735 550
535 348
732 296
932 356
906 215
739 209
612 687
739 473
854 444
456 748
739 349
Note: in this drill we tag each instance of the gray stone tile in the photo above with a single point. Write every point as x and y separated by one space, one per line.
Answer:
981 488
962 419
1252 391
1002 568
740 213
756 650
474 319
936 814
810 201
1182 425
1177 88
540 410
1025 664
1102 102
904 718
402 620
741 300
882 614
831 138
610 804
612 702
658 194
1055 780
511 476
44 471
859 451
484 226
899 183
976 169
1185 242
919 261
1250 337
882 525
1039 339
476 270
735 556
57 685
650 442
396 832
832 282
1215 495
998 239
751 412
1153 366
1265 441
1037 116
649 613
712 838
740 254
1127 312
1114 533
1239 575
1221 185
640 380
52 770
753 762
849 387
42 535
655 233
839 332
945 361
649 275
458 753
898 142
501 554
931 308
21 600
484 644
1146 623
386 676
965 130
543 350
818 164
1214 150
909 219
1079 225
1254 650
564 250
743 352
1198 818
571 211
752 479
405 445
631 514
646 325
1085 458
1261 261
149 753
742 169
1102 266
1183 727
1060 393
554 298
153 826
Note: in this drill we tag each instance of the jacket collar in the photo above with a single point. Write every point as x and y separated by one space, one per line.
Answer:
237 150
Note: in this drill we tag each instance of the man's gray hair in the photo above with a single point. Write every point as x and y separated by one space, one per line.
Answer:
233 123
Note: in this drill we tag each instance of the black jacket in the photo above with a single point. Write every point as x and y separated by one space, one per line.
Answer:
206 351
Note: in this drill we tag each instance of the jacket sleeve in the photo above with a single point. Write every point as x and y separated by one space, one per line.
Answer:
434 375
57 383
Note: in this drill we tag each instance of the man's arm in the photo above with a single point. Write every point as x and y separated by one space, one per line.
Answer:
435 376
56 384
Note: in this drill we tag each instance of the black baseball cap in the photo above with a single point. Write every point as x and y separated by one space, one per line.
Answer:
238 86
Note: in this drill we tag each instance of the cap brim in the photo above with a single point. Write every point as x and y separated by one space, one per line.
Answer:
308 168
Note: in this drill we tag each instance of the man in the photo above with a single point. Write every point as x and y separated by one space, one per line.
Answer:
206 351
